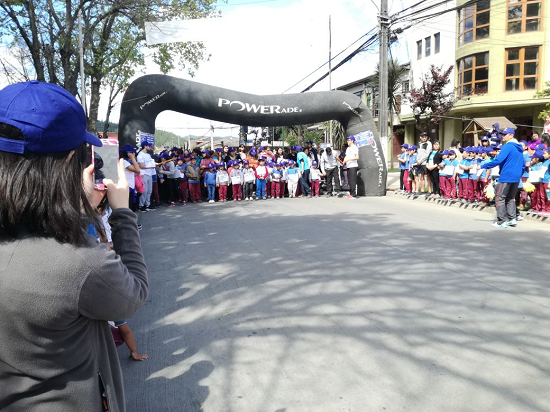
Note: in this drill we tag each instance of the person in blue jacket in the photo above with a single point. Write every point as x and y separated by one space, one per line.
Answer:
510 161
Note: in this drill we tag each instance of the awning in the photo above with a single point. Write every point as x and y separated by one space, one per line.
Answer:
485 124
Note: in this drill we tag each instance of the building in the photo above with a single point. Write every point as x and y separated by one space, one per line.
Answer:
500 50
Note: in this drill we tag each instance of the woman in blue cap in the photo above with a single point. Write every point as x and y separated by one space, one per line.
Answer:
59 286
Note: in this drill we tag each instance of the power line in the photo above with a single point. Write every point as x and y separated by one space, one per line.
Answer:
363 47
324 64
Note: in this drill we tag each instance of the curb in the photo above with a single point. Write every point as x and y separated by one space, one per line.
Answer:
459 205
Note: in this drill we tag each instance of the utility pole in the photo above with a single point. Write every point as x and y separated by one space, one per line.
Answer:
330 72
384 20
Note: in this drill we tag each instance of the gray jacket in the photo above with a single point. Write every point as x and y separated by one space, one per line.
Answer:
55 301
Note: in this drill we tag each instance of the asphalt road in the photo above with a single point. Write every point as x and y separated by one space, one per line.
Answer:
375 304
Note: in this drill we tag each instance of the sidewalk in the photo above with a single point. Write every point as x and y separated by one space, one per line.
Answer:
457 204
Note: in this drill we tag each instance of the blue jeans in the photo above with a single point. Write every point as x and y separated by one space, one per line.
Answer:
211 192
304 182
260 188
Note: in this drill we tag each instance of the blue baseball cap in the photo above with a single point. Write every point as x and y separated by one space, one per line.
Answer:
128 149
485 138
352 138
217 149
292 147
413 147
145 143
538 155
245 162
49 117
298 148
506 131
488 150
405 145
445 153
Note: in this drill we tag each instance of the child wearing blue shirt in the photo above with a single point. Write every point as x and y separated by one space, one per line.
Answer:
463 175
473 194
485 174
403 168
413 169
210 182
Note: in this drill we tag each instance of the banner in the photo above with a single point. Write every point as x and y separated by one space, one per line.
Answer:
145 137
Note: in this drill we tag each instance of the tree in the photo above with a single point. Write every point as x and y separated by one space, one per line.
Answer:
113 40
430 99
395 72
543 94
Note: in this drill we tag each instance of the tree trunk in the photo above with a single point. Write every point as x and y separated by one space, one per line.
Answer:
94 102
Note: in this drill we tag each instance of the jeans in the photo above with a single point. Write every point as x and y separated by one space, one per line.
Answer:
304 183
145 199
211 192
260 188
352 178
505 201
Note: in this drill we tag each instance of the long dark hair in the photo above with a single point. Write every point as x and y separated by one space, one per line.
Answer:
43 194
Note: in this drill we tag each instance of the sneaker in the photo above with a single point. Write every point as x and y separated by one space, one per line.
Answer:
211 201
309 196
171 204
512 223
152 208
519 218
142 209
349 197
140 227
340 194
264 198
502 225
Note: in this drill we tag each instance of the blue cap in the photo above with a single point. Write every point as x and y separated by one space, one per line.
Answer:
452 153
230 163
206 151
49 117
262 148
253 151
310 142
405 145
230 149
245 162
298 148
314 163
292 147
508 130
211 166
413 147
221 164
352 138
538 155
541 147
488 150
145 143
485 138
271 164
217 149
445 152
128 149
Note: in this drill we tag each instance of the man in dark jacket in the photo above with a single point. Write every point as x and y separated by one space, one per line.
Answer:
510 161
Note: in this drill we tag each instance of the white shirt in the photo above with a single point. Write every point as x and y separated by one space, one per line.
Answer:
148 161
352 151
130 176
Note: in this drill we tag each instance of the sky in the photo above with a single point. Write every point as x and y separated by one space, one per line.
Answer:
282 42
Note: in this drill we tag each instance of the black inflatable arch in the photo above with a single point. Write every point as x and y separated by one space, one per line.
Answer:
150 95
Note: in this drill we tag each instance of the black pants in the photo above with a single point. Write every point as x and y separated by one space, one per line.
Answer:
248 189
434 177
505 201
352 179
333 174
171 189
401 180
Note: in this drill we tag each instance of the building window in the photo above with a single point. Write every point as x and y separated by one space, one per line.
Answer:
419 49
473 74
522 68
405 86
473 22
428 46
437 42
524 16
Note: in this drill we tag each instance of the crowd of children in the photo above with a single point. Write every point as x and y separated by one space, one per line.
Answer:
181 179
461 177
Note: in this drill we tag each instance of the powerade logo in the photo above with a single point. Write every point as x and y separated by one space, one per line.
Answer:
256 108
367 139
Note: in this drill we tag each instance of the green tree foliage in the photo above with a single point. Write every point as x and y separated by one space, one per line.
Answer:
44 37
544 94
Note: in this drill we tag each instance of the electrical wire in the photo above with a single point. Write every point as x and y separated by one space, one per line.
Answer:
324 64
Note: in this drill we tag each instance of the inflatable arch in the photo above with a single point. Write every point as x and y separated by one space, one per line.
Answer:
150 95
